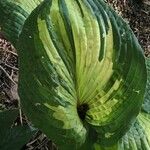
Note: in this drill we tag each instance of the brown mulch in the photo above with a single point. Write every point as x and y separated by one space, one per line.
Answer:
8 75
135 12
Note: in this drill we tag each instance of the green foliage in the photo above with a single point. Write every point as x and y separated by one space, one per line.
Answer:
146 104
7 118
13 137
79 58
13 14
138 137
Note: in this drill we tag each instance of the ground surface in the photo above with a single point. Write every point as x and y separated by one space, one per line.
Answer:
135 12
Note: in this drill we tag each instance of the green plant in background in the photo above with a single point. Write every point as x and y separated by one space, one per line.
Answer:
13 137
82 73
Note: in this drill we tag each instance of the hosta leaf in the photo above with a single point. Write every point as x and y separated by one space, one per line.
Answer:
82 72
13 14
138 137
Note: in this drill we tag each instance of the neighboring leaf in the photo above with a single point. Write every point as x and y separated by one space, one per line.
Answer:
6 120
13 14
138 137
16 138
98 147
82 72
146 104
13 137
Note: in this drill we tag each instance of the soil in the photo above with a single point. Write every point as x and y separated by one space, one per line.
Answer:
135 12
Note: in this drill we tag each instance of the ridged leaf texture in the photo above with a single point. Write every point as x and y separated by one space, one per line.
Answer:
13 14
138 137
82 72
146 104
